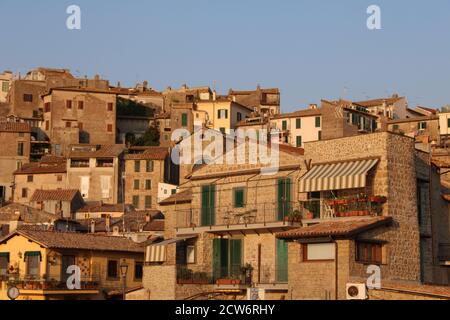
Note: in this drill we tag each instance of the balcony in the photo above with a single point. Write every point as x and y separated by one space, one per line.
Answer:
222 278
444 254
272 277
228 220
34 286
274 217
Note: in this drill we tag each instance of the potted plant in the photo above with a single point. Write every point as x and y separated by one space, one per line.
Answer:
295 216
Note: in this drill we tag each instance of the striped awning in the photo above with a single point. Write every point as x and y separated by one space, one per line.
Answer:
337 176
157 252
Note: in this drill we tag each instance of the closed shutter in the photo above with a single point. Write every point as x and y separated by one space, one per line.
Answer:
84 187
239 198
284 198
184 120
105 183
220 258
208 205
282 261
235 257
298 123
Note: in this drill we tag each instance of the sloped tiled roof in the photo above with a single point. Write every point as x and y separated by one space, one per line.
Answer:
80 241
42 168
58 195
98 206
15 127
149 153
94 151
379 102
181 197
26 214
299 114
335 228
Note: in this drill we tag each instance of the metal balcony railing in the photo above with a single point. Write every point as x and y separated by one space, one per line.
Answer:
233 275
265 213
269 274
28 283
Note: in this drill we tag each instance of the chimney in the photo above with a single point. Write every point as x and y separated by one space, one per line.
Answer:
145 85
118 84
214 96
184 86
92 226
97 77
108 223
395 96
313 106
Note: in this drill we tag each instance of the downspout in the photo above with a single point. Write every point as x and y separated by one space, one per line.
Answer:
336 269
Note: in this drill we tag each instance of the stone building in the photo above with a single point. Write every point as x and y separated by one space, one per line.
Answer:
424 129
394 107
96 170
261 101
71 116
221 223
63 203
15 142
394 192
48 174
145 168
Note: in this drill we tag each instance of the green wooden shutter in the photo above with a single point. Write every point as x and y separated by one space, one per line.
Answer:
235 258
184 120
226 114
298 123
282 261
208 205
284 125
280 197
317 122
299 141
239 198
220 258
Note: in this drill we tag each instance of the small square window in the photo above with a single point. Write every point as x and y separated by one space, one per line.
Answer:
110 106
80 105
30 178
69 104
136 184
113 269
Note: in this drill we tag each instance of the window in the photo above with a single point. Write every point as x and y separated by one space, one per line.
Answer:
223 130
284 125
448 122
422 125
298 123
148 202
30 178
299 141
239 116
396 127
136 185
69 104
24 192
136 201
149 165
222 114
113 269
148 184
318 122
68 124
80 105
137 166
369 252
4 261
20 149
5 86
28 97
109 128
190 254
239 201
319 252
59 178
110 106
47 107
33 262
138 270
184 120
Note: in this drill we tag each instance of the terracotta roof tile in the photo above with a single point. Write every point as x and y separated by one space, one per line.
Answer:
181 197
299 114
335 228
95 151
80 241
42 168
102 207
59 195
19 212
149 153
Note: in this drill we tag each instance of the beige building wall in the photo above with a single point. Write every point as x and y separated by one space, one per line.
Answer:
308 131
50 181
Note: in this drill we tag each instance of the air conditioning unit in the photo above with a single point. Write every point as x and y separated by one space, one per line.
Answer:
356 291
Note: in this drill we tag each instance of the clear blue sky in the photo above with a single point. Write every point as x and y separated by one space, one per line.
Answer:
310 49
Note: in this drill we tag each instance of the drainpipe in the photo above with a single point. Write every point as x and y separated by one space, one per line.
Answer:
336 268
